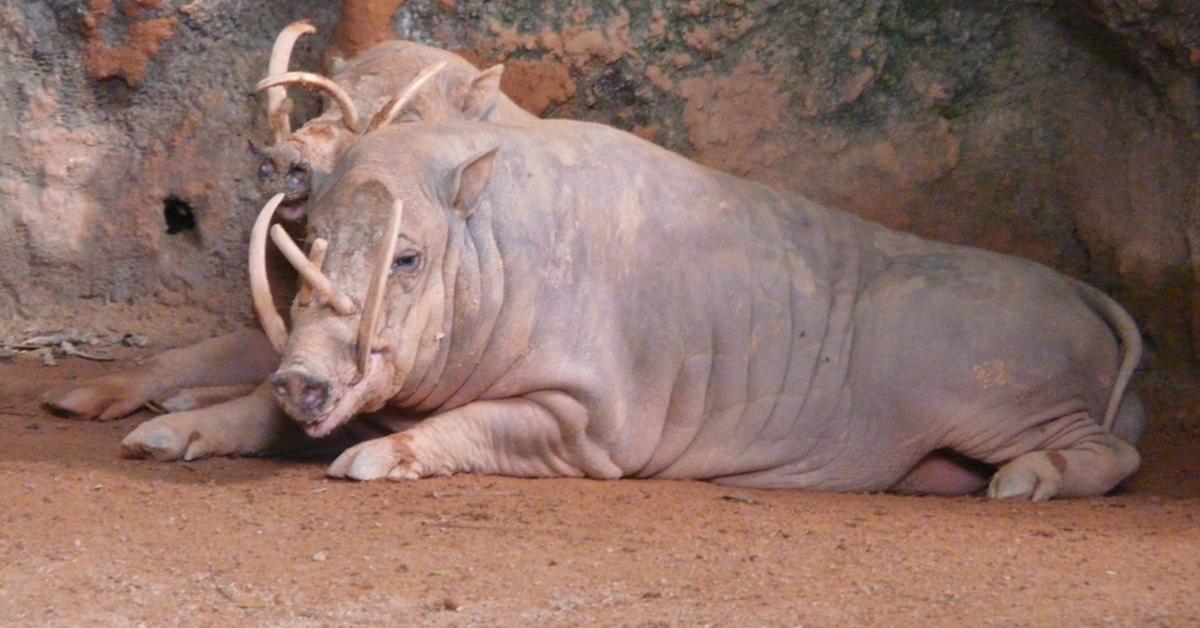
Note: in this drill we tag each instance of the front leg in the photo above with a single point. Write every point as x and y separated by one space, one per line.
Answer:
516 437
247 426
241 357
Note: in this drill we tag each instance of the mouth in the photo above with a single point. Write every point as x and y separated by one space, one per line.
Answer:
292 207
351 400
294 197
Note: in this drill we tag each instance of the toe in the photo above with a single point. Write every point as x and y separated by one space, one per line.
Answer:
196 450
367 461
1018 484
79 403
403 473
371 464
153 440
341 464
181 402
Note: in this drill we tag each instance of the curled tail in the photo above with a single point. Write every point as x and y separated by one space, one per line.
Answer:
1130 339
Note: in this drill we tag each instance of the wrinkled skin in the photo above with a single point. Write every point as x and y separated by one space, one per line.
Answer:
245 357
585 303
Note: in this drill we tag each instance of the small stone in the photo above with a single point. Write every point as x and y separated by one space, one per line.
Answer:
47 355
134 340
320 557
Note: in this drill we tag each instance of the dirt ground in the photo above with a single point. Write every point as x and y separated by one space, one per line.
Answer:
86 537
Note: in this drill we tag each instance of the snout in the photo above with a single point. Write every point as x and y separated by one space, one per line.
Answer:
305 396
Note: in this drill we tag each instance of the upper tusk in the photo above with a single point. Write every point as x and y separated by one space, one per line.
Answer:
396 104
316 81
313 275
374 301
316 257
260 287
281 54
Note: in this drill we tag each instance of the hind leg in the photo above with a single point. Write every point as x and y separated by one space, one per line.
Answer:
1091 466
944 472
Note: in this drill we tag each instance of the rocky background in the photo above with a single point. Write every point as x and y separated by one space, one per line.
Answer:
1064 131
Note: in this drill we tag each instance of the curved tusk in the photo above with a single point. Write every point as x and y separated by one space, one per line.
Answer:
396 104
311 274
316 81
281 55
260 287
316 257
374 301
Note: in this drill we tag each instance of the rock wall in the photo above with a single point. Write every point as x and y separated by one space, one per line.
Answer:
1065 131
114 115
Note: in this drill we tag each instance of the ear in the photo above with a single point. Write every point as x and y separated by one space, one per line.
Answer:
483 93
466 183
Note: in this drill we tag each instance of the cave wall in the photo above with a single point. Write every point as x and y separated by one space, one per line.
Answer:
1065 132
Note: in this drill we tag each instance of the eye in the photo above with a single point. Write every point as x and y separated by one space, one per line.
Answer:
266 169
406 262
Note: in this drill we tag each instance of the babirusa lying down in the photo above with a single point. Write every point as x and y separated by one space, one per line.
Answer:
568 300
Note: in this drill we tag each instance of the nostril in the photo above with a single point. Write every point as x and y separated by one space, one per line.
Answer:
279 379
301 388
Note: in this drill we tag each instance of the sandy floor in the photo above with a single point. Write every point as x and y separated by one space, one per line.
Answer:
88 537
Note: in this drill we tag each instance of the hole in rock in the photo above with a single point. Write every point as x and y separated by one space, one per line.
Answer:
178 215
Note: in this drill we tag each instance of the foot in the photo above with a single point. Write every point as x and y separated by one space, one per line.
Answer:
1089 468
389 457
1023 483
165 438
104 398
246 426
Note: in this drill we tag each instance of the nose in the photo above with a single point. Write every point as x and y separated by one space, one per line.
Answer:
303 392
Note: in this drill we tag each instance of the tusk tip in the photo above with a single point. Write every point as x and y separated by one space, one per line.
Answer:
303 27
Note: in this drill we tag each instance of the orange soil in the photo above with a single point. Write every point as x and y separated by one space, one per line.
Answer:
88 537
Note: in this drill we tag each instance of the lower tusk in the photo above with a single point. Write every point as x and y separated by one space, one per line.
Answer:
260 287
311 274
374 301
316 257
